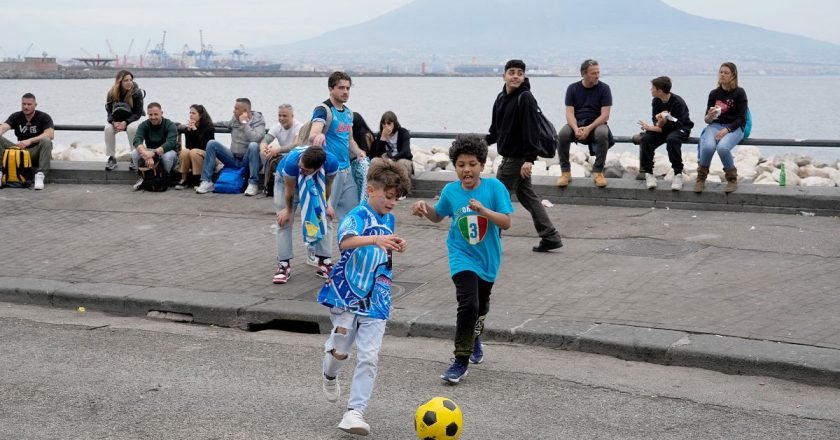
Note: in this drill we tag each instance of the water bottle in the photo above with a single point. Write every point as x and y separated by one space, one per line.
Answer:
782 177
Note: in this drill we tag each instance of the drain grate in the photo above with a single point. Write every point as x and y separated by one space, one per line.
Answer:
645 247
399 289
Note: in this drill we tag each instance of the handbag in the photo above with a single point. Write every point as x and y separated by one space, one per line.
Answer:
120 111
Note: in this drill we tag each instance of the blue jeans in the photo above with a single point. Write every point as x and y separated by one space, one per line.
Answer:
217 150
169 159
708 145
367 334
323 247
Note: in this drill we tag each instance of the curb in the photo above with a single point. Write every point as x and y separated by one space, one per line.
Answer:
731 355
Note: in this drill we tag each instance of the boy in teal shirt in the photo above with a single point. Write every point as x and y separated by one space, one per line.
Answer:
479 208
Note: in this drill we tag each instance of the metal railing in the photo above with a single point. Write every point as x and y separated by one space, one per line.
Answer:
766 142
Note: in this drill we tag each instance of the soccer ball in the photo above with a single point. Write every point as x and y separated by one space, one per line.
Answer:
438 419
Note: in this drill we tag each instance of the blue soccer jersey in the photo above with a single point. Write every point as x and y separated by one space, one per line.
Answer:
474 242
361 280
290 167
339 132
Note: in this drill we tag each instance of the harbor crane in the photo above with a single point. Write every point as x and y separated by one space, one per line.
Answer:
205 56
239 55
128 52
160 52
27 50
145 51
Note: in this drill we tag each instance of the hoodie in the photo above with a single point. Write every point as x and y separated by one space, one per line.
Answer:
137 108
243 134
514 125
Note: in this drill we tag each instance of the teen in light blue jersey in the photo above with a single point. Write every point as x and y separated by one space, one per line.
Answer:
479 208
358 291
338 139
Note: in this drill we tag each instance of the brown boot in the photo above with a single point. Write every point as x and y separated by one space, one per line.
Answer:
702 174
731 176
600 180
565 178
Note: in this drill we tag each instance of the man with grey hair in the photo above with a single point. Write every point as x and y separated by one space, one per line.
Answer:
277 142
247 127
588 104
284 132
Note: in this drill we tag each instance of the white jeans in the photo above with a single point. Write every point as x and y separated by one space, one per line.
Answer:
367 334
111 138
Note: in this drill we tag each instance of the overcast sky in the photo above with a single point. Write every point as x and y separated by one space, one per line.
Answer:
68 28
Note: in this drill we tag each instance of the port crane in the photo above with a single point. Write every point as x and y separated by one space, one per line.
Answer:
206 54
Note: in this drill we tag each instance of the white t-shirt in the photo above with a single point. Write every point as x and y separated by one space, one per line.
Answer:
285 136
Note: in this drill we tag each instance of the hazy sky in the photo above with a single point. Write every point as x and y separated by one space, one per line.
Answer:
64 28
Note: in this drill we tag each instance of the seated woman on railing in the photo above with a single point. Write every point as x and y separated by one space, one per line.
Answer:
726 116
124 107
393 142
197 132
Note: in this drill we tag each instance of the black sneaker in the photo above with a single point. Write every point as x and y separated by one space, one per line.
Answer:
456 371
131 166
546 246
110 164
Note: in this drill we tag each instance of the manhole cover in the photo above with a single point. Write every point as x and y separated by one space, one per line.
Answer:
638 247
399 289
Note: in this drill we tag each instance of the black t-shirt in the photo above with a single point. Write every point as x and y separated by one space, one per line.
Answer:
678 109
588 101
29 129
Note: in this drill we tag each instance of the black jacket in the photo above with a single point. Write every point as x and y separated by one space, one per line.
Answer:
137 109
514 125
380 146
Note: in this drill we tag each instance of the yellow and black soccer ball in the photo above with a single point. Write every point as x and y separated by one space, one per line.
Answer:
438 419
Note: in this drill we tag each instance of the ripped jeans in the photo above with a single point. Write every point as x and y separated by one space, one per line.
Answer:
367 334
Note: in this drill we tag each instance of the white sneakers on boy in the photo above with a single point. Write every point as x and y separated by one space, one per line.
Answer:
650 181
205 187
354 423
677 184
331 388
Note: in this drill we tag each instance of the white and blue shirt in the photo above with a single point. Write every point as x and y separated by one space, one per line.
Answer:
361 280
338 133
289 165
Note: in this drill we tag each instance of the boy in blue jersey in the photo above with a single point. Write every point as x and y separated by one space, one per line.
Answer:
303 178
358 291
337 138
479 208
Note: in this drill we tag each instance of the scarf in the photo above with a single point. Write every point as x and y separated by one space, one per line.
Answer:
313 214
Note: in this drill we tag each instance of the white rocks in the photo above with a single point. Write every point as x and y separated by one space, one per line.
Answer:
817 181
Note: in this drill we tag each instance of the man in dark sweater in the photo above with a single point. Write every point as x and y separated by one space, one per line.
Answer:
514 131
671 126
156 137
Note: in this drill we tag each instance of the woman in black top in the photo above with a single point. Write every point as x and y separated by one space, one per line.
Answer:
124 107
197 132
362 134
393 142
726 116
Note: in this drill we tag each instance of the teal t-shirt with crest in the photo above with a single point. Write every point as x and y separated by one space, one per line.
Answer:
474 242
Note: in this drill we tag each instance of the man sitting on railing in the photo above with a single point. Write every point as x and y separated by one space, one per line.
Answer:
34 131
247 128
156 137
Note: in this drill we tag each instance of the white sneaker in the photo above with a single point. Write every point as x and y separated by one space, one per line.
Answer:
1 178
252 189
138 184
205 187
354 423
39 180
650 181
677 184
311 258
331 389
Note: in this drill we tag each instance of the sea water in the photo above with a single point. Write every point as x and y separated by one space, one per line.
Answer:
782 107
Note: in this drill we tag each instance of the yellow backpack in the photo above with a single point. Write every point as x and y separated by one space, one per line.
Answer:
17 168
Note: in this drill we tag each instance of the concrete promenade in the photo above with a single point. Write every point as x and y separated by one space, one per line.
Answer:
739 292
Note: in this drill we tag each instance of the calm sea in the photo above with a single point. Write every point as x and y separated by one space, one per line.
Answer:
782 107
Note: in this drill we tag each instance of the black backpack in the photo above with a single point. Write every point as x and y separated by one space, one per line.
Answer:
156 178
546 133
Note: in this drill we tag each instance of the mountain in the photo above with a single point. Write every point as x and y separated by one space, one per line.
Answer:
640 34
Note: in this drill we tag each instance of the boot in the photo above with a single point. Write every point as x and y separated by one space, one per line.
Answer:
702 173
600 180
565 178
731 176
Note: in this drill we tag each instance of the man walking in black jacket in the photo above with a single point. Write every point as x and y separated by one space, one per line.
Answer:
514 131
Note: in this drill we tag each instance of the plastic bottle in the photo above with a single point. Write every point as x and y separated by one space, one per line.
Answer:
782 177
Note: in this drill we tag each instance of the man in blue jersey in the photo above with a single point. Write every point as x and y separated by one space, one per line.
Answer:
334 132
303 178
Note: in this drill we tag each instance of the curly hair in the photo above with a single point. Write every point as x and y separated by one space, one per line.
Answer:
469 144
387 174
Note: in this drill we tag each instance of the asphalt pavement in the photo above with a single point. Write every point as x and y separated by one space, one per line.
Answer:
738 292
